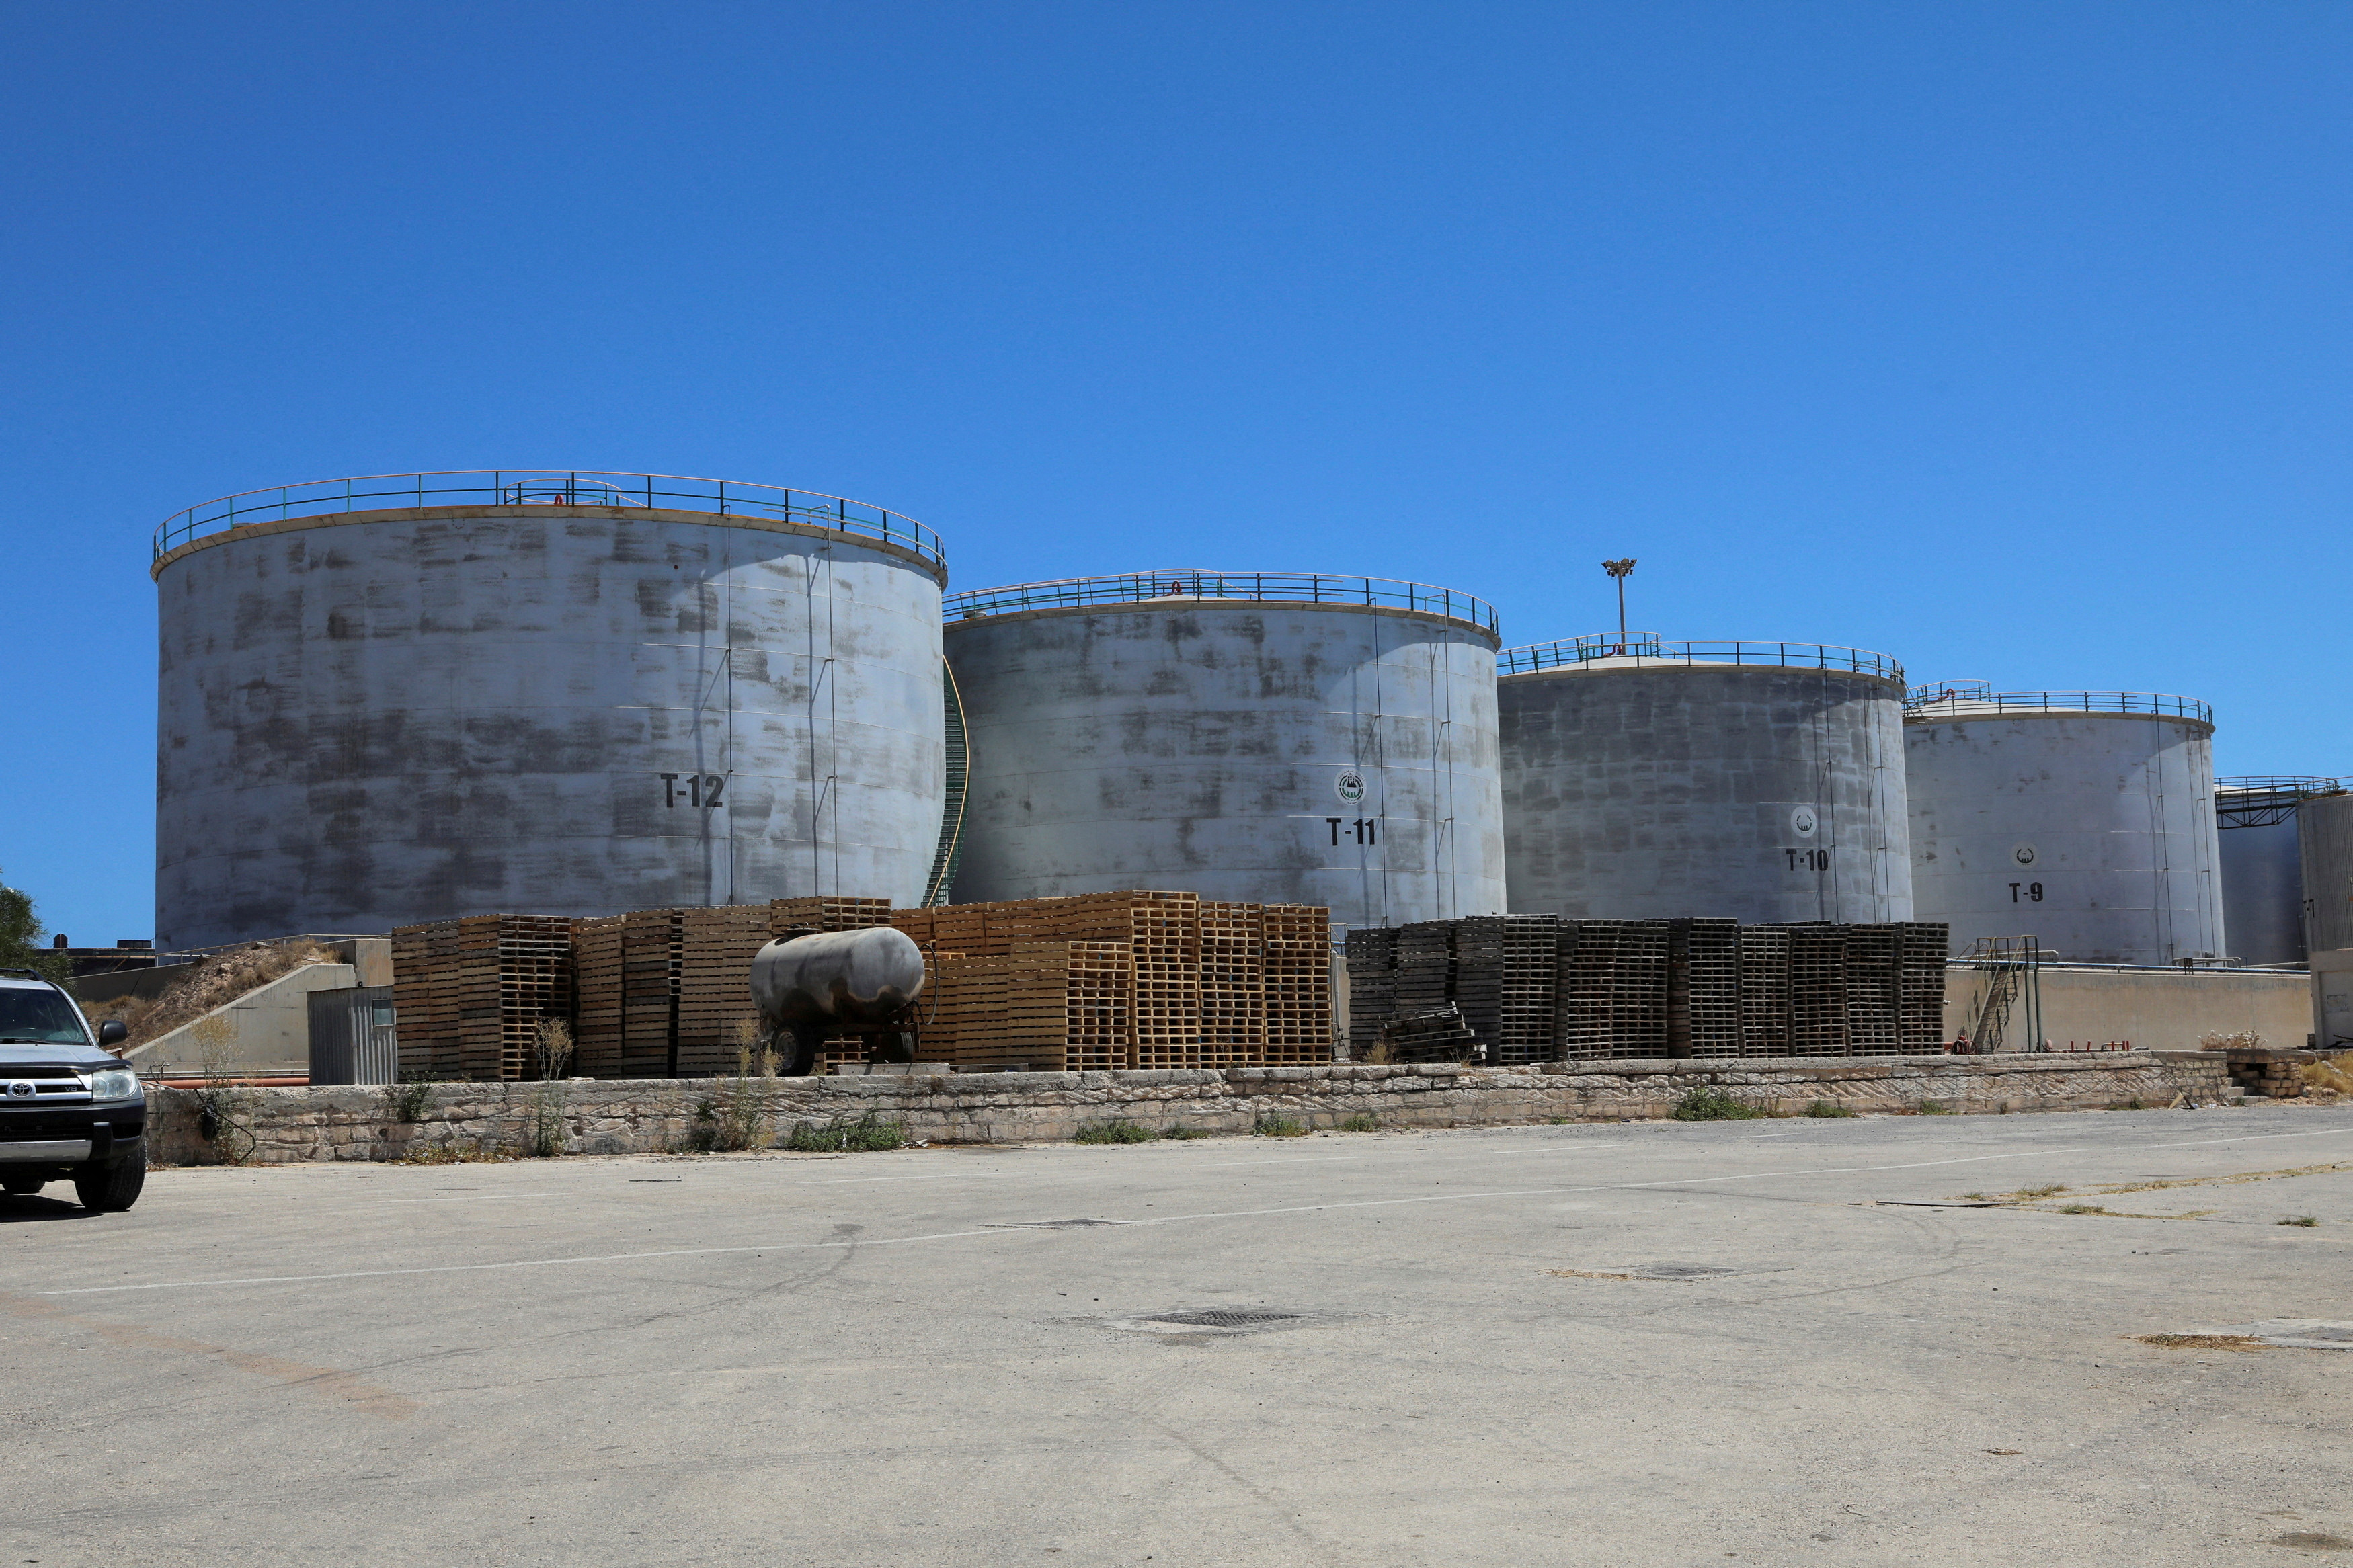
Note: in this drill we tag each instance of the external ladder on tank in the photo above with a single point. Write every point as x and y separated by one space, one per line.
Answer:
2012 966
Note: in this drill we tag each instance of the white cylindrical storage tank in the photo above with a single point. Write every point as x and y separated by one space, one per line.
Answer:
2261 865
402 698
2084 818
1755 780
1259 737
2324 826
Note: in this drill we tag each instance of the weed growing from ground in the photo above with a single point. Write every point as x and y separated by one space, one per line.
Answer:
451 1154
409 1100
1118 1130
1828 1108
1361 1123
2053 1190
1715 1105
869 1133
2301 1219
1934 1108
1181 1131
1280 1126
2080 1208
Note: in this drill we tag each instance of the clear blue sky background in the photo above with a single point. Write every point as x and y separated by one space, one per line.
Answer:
2010 339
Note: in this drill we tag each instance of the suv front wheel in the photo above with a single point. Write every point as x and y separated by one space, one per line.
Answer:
109 1189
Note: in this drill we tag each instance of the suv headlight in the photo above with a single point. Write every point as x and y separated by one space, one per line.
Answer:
114 1083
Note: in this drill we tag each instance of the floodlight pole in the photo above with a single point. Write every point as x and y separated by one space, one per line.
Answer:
1621 571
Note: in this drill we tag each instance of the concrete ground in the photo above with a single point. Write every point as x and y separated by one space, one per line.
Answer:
903 1359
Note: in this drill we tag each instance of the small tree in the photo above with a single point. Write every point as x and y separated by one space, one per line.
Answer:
21 938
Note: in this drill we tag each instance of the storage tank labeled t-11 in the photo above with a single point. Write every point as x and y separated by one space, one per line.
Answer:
1753 780
401 698
1257 737
2084 818
2262 866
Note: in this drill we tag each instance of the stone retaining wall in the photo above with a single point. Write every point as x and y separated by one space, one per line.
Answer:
604 1117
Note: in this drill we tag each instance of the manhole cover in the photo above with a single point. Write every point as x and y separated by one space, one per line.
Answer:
1047 1223
1221 1318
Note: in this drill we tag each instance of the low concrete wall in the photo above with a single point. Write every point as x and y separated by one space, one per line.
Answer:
659 1116
2155 1009
271 1025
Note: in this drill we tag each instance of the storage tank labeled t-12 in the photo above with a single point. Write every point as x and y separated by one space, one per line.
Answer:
2324 826
1257 737
2262 866
2084 818
401 698
1753 780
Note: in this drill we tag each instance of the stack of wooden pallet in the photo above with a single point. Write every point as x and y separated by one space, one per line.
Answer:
826 912
1295 980
1233 983
714 990
1659 987
469 994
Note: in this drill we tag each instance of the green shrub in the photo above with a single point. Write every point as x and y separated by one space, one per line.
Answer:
1715 1105
1181 1131
867 1134
2301 1219
1118 1130
1828 1108
1362 1122
1280 1126
1934 1108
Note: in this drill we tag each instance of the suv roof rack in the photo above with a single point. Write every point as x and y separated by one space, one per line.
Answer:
29 975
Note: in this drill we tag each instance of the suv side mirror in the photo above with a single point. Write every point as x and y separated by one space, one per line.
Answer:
114 1032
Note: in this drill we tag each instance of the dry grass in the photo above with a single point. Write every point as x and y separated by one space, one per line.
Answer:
218 981
2335 1074
2244 1343
2244 1040
451 1154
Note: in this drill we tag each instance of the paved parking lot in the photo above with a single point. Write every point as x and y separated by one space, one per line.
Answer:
1652 1343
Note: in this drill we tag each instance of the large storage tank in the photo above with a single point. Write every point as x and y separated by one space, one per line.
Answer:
399 698
2324 826
1260 737
1759 781
2262 866
2086 818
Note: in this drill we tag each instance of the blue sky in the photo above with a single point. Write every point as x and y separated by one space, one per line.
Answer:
2008 339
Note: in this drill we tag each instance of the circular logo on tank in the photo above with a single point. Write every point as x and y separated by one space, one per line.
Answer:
1349 786
2023 854
1804 821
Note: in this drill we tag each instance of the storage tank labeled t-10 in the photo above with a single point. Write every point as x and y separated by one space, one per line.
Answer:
1755 780
2084 818
401 698
2262 866
1257 737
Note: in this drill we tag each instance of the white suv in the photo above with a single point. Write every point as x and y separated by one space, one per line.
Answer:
68 1110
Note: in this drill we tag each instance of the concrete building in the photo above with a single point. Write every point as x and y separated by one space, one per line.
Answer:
394 700
2086 818
1760 780
2324 826
1254 736
2261 864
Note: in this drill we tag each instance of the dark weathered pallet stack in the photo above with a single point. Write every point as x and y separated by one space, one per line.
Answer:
596 996
1764 991
1525 1028
650 943
1712 981
1233 983
1583 988
1638 992
1424 958
1295 984
1372 985
1922 947
1817 1010
1873 987
1439 1037
1694 987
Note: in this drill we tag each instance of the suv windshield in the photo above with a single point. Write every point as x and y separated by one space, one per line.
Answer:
38 1017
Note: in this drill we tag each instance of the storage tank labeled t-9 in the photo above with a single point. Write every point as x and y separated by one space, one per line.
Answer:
2261 864
2084 818
1257 737
401 698
1753 780
2324 826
